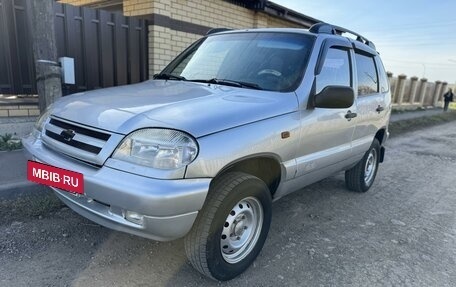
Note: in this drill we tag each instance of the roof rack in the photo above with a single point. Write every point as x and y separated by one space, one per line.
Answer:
325 28
217 30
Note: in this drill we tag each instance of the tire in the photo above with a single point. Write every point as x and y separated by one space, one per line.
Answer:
361 177
238 204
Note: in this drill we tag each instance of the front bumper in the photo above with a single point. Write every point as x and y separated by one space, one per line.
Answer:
168 207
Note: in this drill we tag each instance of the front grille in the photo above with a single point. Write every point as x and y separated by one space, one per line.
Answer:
80 130
74 143
78 141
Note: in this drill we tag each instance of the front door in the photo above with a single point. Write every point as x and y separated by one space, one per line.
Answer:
326 134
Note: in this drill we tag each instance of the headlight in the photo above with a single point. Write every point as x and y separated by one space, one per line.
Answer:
39 124
158 148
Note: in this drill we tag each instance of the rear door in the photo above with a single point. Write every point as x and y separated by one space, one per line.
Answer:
372 93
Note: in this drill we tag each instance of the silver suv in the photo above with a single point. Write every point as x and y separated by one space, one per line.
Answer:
238 120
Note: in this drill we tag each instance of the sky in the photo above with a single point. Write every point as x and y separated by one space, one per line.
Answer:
413 37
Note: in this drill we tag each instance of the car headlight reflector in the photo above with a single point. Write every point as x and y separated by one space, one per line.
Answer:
157 148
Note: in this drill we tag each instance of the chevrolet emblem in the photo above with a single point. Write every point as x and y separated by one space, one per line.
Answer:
68 134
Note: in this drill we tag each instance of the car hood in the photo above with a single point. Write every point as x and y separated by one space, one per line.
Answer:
196 108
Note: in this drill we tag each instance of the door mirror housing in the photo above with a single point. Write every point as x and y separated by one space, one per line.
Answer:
335 97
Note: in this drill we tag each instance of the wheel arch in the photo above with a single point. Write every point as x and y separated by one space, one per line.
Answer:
264 166
381 135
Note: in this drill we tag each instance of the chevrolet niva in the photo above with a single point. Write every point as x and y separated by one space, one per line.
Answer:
238 120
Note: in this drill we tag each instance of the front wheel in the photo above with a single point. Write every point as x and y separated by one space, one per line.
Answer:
230 230
361 177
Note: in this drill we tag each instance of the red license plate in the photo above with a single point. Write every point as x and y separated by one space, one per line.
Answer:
56 177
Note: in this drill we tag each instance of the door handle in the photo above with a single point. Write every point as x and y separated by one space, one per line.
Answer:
379 108
349 115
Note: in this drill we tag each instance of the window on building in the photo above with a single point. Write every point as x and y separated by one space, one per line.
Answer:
367 74
335 70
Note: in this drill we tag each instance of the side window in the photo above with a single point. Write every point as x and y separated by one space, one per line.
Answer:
383 78
367 75
335 71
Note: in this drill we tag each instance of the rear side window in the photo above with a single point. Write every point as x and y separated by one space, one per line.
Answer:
383 78
335 71
367 75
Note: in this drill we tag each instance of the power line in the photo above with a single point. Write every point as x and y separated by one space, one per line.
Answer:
410 36
420 63
414 26
414 44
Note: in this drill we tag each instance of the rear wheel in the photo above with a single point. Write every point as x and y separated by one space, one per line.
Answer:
231 228
361 177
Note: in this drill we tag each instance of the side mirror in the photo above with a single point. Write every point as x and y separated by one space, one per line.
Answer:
335 97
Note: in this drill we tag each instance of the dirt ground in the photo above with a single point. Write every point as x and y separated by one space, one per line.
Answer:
401 233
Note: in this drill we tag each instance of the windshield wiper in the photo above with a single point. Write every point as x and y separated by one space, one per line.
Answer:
164 76
231 83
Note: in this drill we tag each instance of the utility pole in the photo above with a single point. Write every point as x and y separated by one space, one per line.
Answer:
48 72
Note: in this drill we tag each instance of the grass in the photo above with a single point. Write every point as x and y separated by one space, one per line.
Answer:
404 126
29 206
418 109
8 142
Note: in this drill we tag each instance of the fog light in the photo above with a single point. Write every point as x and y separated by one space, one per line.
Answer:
134 217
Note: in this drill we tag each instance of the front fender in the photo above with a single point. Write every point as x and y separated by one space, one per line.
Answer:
219 150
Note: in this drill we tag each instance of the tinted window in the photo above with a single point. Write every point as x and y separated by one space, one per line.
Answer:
335 71
367 75
383 78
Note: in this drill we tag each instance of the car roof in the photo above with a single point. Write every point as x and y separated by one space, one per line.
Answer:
319 29
258 30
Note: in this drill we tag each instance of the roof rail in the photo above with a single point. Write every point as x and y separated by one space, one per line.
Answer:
217 30
324 28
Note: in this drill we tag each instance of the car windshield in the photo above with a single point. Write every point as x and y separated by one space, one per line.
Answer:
268 61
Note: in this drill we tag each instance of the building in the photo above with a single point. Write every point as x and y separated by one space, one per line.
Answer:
175 24
170 27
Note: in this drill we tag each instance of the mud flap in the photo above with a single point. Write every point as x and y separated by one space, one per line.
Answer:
382 154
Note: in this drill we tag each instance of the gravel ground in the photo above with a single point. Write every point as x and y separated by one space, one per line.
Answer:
401 233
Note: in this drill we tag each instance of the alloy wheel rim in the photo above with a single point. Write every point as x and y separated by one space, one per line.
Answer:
241 230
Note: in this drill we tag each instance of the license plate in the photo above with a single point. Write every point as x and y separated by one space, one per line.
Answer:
56 177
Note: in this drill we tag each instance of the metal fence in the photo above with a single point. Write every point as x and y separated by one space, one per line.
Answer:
109 49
